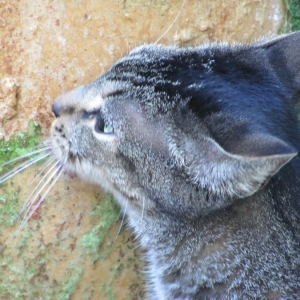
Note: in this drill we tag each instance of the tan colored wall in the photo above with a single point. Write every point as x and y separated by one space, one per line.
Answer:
50 46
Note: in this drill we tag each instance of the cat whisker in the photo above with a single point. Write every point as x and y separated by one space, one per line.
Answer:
55 176
39 188
25 155
22 167
122 221
27 202
44 144
172 24
58 172
6 242
118 217
50 160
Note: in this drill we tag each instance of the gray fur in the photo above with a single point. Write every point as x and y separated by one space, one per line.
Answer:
198 192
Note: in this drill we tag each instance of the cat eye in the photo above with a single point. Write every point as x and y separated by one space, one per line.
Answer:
108 128
101 126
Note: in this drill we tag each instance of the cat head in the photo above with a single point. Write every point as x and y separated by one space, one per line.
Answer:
184 129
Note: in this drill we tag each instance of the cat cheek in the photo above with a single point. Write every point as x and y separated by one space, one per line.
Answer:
107 140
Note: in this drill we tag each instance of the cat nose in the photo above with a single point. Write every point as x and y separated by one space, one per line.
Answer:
56 109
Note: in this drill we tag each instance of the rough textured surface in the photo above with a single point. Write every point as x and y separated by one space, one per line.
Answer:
51 46
59 251
294 9
68 250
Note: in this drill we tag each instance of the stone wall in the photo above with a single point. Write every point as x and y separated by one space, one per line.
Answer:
51 46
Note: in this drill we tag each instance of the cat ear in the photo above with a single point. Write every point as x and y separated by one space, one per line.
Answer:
283 54
248 162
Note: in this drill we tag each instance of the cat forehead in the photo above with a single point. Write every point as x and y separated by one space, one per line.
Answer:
143 72
155 51
88 97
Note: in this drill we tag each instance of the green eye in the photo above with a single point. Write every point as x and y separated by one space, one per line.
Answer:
108 128
100 124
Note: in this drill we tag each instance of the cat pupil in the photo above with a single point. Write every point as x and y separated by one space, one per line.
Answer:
108 128
100 124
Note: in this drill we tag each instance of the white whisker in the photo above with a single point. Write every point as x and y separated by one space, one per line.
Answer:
120 227
27 202
118 217
182 5
58 171
25 155
48 163
29 205
45 143
22 167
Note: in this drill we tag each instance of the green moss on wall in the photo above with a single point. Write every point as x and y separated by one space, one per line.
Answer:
23 281
107 213
9 207
20 274
27 262
19 144
108 291
294 12
70 286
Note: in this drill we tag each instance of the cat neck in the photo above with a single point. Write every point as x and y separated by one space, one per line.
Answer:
215 249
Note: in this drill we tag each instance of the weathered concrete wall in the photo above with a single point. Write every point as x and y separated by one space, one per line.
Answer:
68 249
51 46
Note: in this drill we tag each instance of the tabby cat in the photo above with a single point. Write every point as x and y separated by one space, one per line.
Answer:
199 147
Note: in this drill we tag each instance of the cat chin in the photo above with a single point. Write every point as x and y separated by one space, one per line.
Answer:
88 172
95 175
